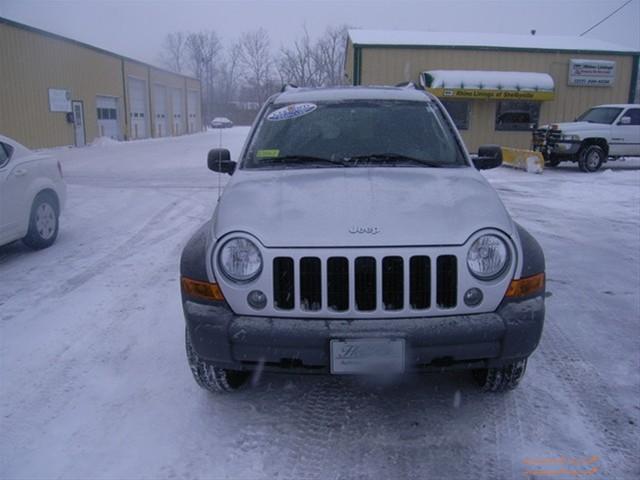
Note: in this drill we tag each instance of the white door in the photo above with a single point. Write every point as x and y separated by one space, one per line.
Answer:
107 112
78 123
625 137
177 104
192 110
15 176
138 107
160 110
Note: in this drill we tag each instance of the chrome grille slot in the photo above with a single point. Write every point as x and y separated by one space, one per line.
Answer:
420 282
365 283
447 279
310 284
393 283
338 284
283 283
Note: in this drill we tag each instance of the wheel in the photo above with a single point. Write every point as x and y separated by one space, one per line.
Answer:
501 379
210 377
43 222
591 158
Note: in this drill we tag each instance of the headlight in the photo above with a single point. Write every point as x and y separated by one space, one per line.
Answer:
240 260
569 138
488 257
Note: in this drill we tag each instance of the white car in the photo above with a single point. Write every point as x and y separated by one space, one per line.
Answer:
221 122
32 195
601 133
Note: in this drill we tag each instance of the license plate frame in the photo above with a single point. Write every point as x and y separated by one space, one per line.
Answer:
358 356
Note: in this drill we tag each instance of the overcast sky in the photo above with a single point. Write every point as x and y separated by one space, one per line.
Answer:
136 28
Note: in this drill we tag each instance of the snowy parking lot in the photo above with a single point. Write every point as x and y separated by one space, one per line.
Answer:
94 382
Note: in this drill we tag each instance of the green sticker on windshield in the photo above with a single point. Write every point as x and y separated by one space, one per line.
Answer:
267 153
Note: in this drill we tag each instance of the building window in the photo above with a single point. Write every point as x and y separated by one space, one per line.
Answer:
517 115
459 112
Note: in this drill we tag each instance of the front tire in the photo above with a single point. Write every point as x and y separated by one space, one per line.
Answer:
43 222
210 377
591 158
552 162
501 379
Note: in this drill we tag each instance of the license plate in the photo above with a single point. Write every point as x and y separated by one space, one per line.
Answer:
367 356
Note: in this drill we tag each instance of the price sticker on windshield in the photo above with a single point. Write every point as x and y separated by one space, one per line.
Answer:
294 110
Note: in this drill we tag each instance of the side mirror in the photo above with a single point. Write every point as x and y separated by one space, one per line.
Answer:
219 160
489 156
625 121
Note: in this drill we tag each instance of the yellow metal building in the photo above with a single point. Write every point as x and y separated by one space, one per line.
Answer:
56 91
481 78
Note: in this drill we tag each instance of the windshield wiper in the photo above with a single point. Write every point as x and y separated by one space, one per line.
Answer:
392 158
299 159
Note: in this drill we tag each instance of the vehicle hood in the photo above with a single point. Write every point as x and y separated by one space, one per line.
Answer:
349 207
578 127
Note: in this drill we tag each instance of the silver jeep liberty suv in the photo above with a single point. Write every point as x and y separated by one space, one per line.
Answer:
356 236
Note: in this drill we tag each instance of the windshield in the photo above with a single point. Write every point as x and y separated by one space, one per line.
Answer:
600 115
354 133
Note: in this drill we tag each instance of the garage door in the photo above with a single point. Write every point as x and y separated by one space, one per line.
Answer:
160 110
177 104
138 107
192 110
107 112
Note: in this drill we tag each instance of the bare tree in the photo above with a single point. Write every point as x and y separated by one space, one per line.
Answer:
255 58
228 74
298 64
330 55
174 51
203 50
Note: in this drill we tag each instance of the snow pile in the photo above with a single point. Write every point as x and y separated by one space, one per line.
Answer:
492 80
104 142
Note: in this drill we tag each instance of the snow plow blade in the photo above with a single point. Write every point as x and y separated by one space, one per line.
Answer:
528 160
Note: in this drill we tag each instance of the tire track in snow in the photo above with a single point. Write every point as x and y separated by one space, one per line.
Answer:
603 417
85 351
129 247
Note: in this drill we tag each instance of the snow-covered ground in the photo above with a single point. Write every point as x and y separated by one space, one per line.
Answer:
94 381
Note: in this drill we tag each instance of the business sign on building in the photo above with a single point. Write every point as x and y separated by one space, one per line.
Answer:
490 94
591 73
59 100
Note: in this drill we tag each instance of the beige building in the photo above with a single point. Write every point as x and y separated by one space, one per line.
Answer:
495 86
57 91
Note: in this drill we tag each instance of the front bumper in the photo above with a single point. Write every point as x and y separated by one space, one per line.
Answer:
432 343
559 149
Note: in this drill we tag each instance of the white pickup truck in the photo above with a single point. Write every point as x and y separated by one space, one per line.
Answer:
599 134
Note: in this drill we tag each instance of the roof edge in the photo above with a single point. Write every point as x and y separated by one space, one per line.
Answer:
29 28
482 47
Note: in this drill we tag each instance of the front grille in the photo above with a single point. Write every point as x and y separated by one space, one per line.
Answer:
544 136
365 283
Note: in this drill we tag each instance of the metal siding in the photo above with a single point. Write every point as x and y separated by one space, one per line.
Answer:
31 64
388 66
348 64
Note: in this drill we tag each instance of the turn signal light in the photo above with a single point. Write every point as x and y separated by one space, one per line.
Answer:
525 287
206 290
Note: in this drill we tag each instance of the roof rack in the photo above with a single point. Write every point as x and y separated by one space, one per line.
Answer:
408 85
288 86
